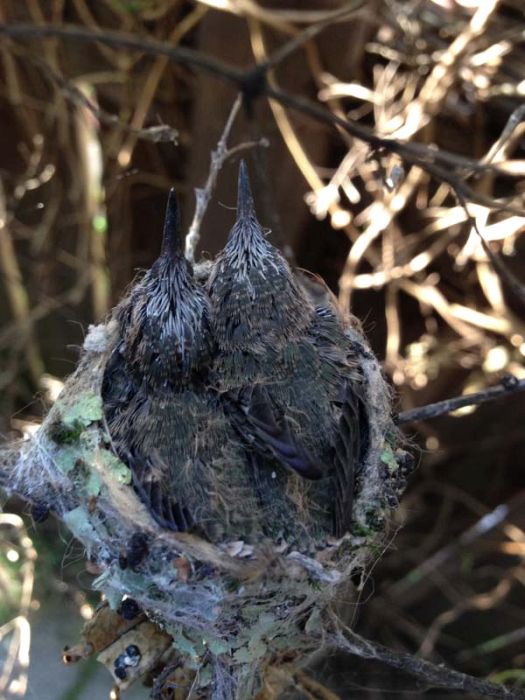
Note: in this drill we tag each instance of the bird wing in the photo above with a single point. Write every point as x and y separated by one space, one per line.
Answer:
123 403
153 488
118 385
351 439
333 336
254 417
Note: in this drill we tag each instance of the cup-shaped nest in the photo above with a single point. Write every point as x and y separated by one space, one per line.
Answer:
226 605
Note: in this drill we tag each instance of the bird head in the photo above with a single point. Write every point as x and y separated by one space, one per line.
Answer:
254 295
164 319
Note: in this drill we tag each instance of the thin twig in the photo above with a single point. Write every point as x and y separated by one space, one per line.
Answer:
510 385
414 153
515 119
310 32
203 194
161 133
281 118
151 83
429 673
506 276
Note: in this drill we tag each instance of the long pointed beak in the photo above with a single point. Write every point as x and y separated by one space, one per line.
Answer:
171 238
245 206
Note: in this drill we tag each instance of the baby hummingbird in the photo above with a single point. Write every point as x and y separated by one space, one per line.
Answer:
287 379
164 421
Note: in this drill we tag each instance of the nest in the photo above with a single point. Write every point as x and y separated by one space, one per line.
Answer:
223 608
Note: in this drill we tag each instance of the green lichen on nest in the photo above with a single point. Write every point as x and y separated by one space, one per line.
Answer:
82 444
388 457
72 417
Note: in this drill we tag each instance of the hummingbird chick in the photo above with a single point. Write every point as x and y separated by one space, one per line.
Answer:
164 421
288 381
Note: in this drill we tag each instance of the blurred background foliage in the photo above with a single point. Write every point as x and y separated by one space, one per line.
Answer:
92 137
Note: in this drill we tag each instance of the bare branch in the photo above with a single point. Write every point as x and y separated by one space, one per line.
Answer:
161 133
147 46
203 195
418 154
509 385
